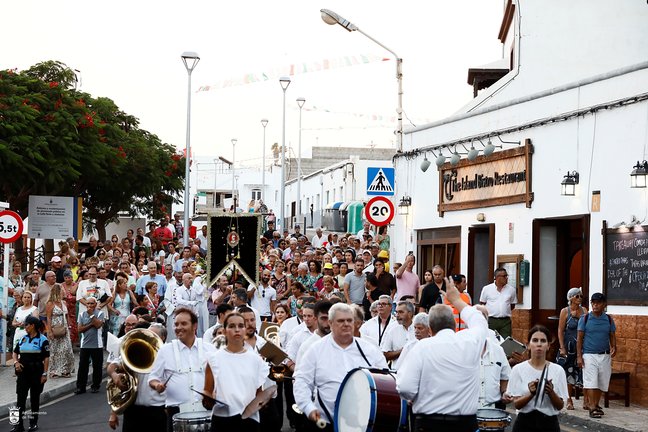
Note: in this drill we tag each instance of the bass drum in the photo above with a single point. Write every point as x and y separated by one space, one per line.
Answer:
368 401
198 421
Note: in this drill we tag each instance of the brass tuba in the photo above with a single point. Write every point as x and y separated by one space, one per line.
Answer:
138 349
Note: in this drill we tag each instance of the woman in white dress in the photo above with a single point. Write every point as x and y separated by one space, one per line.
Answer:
538 387
23 312
234 376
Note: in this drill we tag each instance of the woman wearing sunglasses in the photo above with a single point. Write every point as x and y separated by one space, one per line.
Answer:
567 334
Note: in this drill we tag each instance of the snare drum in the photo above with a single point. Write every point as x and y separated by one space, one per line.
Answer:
492 419
198 421
368 401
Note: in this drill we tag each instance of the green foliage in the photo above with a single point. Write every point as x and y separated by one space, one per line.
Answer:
55 140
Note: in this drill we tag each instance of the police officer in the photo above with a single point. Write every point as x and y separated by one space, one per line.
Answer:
31 361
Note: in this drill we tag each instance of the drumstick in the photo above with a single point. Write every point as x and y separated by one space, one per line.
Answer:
167 380
320 423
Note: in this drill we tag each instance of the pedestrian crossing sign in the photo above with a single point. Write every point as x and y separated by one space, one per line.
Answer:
380 181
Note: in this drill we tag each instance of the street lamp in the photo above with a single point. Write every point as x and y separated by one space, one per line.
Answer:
190 60
331 18
234 140
285 82
300 101
264 123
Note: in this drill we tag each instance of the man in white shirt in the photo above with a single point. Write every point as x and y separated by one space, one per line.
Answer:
494 375
93 287
500 299
375 329
147 412
440 375
202 236
302 332
397 336
179 367
239 299
263 298
321 311
318 239
186 295
171 301
327 363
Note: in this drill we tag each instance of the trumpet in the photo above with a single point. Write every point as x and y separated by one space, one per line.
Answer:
280 372
138 350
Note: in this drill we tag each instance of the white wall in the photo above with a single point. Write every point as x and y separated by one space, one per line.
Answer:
602 147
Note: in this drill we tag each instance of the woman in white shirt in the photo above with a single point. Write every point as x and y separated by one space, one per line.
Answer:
538 387
234 375
23 312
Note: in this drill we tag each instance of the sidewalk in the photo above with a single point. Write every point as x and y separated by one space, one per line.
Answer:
633 418
54 387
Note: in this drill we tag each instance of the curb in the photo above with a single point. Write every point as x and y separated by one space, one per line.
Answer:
591 425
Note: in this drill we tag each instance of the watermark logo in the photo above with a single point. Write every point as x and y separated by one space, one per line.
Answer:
14 415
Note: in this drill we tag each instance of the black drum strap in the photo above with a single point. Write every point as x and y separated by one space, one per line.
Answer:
326 411
362 353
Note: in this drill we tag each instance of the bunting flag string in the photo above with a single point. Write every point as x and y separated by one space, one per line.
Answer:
294 69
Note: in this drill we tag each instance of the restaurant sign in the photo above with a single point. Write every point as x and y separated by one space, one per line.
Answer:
499 179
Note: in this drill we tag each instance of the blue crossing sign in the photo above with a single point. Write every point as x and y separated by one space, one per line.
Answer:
380 181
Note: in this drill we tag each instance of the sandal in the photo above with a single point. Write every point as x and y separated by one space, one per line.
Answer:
570 405
595 414
599 410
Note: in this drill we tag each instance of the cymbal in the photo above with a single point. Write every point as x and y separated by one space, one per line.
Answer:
258 402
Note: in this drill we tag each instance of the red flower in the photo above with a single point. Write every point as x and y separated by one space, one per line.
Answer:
53 84
58 103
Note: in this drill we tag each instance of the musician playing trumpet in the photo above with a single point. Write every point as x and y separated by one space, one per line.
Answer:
233 377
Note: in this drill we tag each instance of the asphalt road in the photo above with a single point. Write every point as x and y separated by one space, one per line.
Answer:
90 412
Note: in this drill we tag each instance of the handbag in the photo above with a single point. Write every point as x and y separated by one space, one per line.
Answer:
561 360
59 330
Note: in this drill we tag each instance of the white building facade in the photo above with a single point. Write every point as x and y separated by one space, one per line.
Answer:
573 101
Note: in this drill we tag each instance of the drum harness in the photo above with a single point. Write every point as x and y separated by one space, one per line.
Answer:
188 406
319 398
380 334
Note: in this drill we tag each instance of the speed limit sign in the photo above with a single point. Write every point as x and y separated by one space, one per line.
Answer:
11 226
379 211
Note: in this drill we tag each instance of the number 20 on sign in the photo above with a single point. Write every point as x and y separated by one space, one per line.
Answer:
379 211
11 226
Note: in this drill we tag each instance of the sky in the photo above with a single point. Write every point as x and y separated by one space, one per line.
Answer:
130 52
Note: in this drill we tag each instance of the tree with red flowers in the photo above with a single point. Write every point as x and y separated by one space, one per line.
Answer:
55 140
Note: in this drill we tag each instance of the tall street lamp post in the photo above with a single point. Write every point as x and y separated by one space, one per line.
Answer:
234 140
331 18
285 82
300 101
190 60
264 123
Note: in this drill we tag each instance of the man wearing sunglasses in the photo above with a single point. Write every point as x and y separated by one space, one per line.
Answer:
263 297
500 299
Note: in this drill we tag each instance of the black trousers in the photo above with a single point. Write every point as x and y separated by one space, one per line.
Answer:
235 423
138 418
29 381
170 412
85 356
290 400
445 423
271 416
536 421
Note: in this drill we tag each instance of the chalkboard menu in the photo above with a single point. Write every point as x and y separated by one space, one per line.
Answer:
625 265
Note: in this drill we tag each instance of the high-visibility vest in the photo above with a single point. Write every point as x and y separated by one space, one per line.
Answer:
460 324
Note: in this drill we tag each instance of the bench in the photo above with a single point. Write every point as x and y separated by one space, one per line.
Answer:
609 395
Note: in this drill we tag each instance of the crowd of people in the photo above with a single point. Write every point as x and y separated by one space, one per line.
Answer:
339 302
